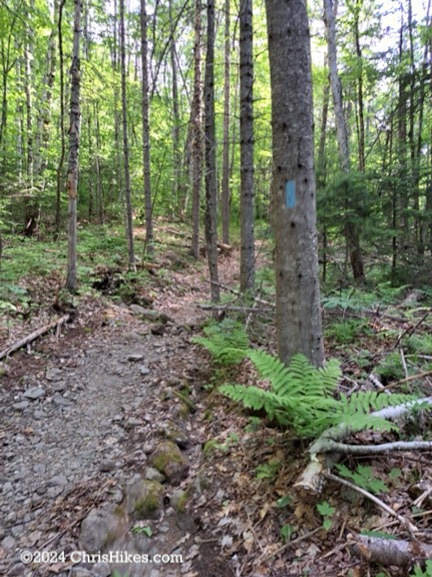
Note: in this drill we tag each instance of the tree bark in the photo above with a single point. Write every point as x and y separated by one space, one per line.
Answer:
298 312
146 132
196 160
210 156
129 220
74 142
226 193
247 252
350 227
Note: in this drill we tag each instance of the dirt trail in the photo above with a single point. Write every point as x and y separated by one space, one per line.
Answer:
78 421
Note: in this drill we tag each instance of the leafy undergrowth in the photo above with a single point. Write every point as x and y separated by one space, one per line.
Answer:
267 524
263 526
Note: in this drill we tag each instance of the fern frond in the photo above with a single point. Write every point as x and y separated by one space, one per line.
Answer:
226 344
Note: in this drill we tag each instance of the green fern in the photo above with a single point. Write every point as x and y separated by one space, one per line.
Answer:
302 397
227 342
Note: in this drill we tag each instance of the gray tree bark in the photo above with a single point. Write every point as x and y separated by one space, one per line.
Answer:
210 156
298 313
196 160
146 132
129 221
74 142
226 126
247 252
350 228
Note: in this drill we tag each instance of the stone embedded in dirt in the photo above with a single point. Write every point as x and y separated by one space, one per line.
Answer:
144 499
8 542
101 527
174 433
21 406
107 465
59 386
102 570
158 330
53 374
169 460
144 370
58 480
152 474
34 393
135 357
60 401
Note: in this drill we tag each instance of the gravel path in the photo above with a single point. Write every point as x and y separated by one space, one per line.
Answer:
84 423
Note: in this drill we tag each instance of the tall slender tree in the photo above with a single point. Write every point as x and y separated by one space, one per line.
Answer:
350 226
129 220
146 130
298 313
196 160
210 156
247 252
74 142
226 193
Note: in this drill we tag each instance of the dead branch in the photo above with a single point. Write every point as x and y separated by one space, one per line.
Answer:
238 293
411 330
408 379
233 308
323 453
388 552
411 528
33 336
334 446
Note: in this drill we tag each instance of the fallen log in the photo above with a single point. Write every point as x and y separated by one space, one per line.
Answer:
391 552
34 335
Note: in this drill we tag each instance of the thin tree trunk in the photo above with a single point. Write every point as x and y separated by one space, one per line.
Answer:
146 132
74 142
247 251
210 156
298 311
350 228
62 123
226 193
176 116
196 160
129 220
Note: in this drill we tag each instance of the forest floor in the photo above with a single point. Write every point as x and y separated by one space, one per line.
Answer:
83 410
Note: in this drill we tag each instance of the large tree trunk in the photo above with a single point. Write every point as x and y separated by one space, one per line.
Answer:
196 160
74 141
298 313
59 172
146 131
210 156
225 195
247 252
129 221
350 227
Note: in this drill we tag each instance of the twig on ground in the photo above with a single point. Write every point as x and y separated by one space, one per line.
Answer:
335 447
403 361
33 336
289 544
411 528
411 330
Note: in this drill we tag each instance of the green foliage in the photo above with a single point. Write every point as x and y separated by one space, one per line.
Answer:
419 572
283 502
227 342
390 368
347 331
286 532
301 397
327 511
363 477
268 470
147 531
419 344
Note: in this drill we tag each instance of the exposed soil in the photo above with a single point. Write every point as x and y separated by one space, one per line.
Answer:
81 414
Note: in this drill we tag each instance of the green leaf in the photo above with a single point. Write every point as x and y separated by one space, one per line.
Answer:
325 509
283 502
327 523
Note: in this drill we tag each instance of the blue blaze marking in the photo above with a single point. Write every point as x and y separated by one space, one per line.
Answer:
290 194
